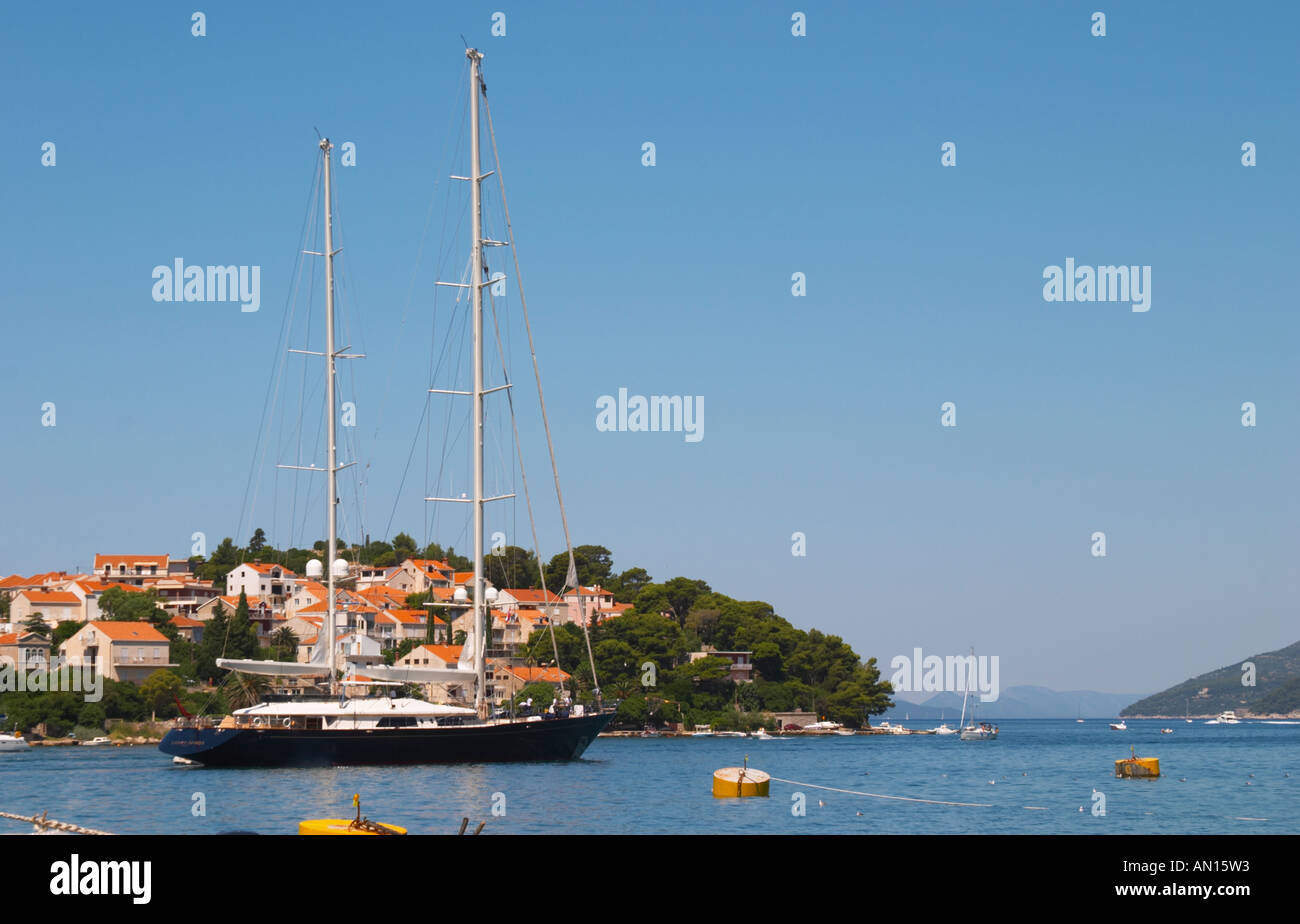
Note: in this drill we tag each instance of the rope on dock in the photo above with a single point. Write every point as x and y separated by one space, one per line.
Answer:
876 795
42 821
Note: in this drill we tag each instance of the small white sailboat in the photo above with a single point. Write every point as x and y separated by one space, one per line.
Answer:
981 731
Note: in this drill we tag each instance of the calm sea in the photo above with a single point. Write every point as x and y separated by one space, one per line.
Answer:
1034 780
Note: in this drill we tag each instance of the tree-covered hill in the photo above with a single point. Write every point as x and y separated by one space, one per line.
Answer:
793 668
1276 689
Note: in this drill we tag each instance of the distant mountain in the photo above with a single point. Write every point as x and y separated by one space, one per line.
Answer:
1026 702
1276 690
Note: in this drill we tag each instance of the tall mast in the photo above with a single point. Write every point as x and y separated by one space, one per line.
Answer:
331 461
482 628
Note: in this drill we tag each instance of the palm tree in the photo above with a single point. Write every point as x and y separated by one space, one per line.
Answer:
285 643
247 690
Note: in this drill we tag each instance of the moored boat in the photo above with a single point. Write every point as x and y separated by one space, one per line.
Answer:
333 728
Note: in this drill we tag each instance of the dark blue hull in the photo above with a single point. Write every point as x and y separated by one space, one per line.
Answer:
550 739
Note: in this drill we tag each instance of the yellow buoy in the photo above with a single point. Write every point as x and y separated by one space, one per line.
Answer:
733 782
356 825
1135 767
344 826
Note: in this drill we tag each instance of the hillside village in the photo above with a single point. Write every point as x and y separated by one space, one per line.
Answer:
374 616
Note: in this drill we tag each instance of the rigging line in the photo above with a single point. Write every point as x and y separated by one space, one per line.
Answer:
278 367
269 421
876 795
460 354
537 372
528 503
302 397
434 370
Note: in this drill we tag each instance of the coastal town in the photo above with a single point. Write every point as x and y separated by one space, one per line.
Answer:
372 611
415 613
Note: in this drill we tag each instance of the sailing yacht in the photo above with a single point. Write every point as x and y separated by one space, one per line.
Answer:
331 728
974 732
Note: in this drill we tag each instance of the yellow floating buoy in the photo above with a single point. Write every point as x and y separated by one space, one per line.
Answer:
1135 767
356 825
345 826
733 782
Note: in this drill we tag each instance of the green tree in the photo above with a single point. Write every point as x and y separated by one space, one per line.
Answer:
242 639
159 691
213 645
403 547
628 584
593 562
675 597
257 543
768 660
132 606
36 625
224 559
512 567
404 647
62 632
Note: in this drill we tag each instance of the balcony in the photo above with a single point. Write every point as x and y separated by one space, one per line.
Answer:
142 661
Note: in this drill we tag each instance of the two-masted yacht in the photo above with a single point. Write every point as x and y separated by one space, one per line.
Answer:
329 727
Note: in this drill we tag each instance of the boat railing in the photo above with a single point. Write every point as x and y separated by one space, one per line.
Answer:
247 721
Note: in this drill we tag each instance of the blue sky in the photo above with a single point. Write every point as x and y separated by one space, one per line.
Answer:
775 154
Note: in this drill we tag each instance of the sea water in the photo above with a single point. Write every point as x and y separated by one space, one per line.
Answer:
1034 779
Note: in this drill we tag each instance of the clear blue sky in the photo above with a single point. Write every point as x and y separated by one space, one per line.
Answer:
775 155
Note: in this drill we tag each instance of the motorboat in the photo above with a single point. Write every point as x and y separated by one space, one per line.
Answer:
14 742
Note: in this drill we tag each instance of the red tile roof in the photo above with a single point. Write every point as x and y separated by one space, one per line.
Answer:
54 596
126 631
448 653
261 568
408 617
528 595
12 639
535 674
114 561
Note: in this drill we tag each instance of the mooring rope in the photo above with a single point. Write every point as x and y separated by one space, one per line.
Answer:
876 795
41 821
